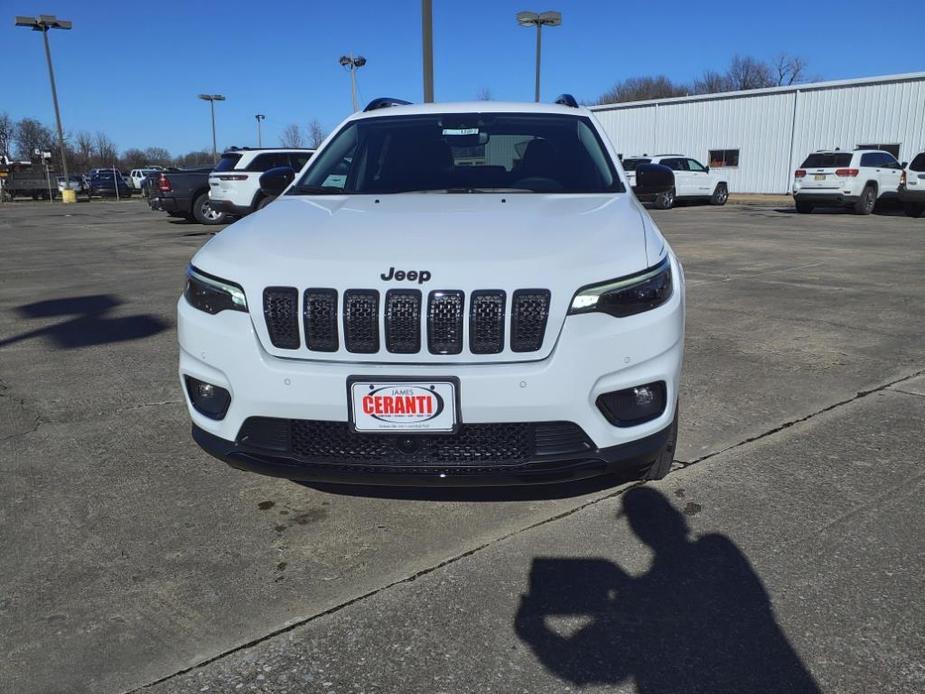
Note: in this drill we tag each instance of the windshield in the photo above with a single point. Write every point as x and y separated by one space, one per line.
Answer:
631 164
824 160
465 153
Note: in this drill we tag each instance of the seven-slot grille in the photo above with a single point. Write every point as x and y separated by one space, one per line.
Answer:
444 315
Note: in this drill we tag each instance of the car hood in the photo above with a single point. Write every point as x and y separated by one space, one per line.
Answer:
464 241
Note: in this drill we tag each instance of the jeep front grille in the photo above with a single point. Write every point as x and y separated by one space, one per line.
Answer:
281 310
404 319
361 321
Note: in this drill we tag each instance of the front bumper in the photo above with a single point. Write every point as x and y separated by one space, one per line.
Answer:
629 457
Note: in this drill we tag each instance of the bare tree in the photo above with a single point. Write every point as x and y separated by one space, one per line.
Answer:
82 154
194 160
712 82
483 94
133 158
789 69
642 88
316 134
105 152
292 136
749 73
158 156
32 135
7 131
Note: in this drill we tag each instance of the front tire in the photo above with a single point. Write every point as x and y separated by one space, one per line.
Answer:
867 201
203 212
913 210
720 195
665 201
661 466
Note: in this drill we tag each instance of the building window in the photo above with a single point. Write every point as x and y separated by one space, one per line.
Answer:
891 148
723 158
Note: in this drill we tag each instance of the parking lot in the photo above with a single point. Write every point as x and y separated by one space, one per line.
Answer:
132 560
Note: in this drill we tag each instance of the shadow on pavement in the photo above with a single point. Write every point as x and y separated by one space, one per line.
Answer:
699 620
90 324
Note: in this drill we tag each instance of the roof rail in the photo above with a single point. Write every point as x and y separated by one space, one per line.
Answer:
385 102
566 100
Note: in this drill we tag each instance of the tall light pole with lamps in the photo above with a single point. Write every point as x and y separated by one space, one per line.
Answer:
212 98
259 118
353 64
43 23
539 20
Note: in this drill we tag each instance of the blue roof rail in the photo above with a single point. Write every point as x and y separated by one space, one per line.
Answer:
566 100
385 102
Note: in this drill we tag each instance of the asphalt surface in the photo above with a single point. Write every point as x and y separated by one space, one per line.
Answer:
785 552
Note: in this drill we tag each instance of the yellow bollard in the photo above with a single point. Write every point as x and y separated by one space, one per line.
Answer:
68 196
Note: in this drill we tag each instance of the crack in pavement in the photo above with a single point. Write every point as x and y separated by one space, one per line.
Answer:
468 553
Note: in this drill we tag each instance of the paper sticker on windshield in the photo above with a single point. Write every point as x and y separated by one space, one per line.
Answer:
460 131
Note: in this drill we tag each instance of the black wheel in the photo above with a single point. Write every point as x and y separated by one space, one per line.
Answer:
665 201
867 201
804 207
913 209
264 202
661 466
203 212
720 195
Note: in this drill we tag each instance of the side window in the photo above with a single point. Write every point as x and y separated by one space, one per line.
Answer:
299 159
871 159
673 164
890 162
270 160
696 166
918 164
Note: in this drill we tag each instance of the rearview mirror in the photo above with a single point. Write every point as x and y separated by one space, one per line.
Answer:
275 181
652 179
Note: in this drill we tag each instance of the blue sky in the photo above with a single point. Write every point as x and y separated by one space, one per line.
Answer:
133 68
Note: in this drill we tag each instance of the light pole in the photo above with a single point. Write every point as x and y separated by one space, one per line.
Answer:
43 23
539 20
259 118
353 64
427 43
212 98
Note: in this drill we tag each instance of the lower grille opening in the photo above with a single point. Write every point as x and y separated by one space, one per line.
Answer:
483 445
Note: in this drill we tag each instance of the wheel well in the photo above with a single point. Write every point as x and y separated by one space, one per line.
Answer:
874 185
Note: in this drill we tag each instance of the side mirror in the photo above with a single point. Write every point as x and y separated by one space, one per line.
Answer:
652 179
904 165
707 169
275 181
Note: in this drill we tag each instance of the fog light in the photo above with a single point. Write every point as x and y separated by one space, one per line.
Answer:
209 400
632 406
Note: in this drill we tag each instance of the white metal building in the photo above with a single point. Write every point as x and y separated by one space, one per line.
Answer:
760 137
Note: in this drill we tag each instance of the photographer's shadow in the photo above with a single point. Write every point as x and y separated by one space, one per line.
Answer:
699 620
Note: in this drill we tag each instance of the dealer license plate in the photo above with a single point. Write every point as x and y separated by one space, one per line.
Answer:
819 177
403 406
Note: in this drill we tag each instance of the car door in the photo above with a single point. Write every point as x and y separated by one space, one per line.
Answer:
681 175
891 172
700 179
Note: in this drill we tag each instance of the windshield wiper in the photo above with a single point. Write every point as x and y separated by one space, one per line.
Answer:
470 190
315 190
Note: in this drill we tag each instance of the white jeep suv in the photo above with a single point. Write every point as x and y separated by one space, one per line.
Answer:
858 179
460 294
693 180
234 184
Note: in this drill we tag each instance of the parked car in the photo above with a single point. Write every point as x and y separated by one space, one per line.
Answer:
912 186
234 185
137 176
693 180
858 179
521 322
184 194
29 182
104 184
78 184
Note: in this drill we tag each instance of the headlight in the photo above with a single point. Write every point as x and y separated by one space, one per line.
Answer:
628 295
211 294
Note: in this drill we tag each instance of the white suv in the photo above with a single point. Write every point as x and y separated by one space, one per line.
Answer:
234 184
402 315
858 179
137 176
693 180
912 186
